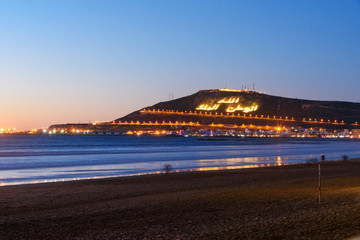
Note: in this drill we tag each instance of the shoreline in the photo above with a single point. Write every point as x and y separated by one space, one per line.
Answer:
257 203
210 170
196 170
206 137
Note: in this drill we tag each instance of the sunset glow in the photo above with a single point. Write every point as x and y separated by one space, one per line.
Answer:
70 62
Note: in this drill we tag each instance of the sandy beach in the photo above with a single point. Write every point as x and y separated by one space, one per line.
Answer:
263 203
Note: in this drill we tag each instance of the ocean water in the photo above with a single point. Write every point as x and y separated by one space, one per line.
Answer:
37 159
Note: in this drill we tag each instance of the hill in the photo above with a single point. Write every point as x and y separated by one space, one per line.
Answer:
233 109
227 106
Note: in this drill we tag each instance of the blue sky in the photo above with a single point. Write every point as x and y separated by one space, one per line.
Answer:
81 61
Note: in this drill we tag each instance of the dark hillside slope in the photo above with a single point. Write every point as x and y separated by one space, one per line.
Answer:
267 105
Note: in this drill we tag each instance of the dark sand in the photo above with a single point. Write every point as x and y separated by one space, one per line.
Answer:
264 203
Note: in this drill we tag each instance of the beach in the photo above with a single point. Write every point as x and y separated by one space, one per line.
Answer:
261 203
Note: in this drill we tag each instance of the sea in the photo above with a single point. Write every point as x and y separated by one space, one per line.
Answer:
30 159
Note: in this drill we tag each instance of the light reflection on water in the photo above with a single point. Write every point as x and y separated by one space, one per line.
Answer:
138 156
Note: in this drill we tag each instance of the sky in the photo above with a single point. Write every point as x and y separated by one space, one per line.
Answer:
84 61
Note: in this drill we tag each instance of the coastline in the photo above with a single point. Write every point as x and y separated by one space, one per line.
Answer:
203 169
60 158
257 203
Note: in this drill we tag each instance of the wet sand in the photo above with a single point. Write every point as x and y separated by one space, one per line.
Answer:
264 203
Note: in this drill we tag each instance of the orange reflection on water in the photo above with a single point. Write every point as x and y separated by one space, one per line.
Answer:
236 167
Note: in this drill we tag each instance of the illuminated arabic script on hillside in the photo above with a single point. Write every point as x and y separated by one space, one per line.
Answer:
233 106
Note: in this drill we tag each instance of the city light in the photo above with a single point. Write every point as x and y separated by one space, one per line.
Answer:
241 108
229 100
208 107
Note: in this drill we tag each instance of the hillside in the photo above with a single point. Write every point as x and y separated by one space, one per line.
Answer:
222 106
233 109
